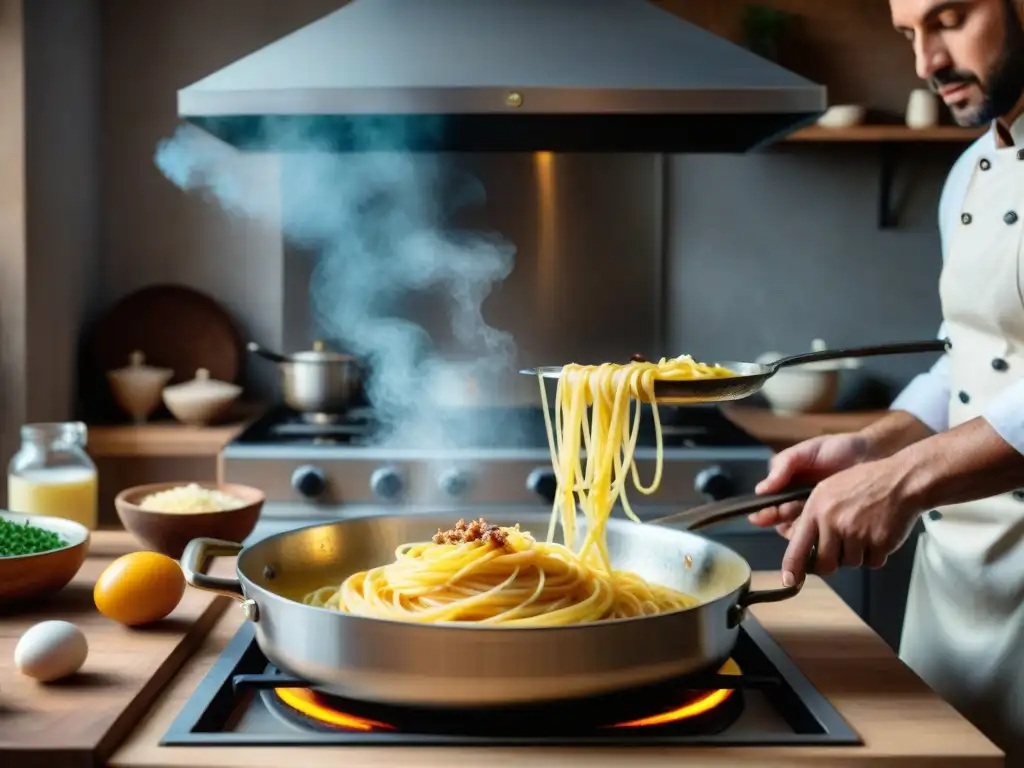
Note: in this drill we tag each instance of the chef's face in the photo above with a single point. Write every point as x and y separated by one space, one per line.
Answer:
970 52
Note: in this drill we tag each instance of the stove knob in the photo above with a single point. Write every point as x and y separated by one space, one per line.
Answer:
454 482
543 483
714 483
386 482
309 481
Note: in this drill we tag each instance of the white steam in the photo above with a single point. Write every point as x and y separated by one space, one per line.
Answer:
381 225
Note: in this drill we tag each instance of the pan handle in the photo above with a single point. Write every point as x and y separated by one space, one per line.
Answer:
755 596
196 558
719 511
897 348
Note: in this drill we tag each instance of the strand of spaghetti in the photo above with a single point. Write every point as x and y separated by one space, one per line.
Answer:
578 405
647 389
554 448
599 512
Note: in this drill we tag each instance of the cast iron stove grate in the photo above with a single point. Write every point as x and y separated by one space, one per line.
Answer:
763 700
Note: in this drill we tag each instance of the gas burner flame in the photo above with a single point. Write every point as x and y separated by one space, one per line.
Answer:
307 703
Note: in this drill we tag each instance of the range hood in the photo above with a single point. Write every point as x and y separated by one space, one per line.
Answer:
501 75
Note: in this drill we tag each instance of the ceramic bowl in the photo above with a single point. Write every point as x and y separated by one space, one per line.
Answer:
802 391
843 116
169 532
28 577
201 401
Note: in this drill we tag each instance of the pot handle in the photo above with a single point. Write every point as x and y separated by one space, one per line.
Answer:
266 354
195 559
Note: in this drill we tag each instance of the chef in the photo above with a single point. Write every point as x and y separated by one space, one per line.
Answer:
953 444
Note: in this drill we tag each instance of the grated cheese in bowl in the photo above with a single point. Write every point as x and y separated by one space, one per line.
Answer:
190 499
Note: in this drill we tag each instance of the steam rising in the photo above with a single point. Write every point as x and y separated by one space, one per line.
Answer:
382 226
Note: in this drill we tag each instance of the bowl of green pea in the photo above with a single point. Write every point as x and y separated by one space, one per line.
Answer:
38 555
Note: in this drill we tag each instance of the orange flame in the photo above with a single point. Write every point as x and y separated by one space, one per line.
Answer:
306 702
699 706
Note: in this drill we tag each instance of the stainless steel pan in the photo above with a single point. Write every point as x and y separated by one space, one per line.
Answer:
459 665
752 376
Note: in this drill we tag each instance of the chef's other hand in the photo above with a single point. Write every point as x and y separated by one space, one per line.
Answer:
856 517
806 463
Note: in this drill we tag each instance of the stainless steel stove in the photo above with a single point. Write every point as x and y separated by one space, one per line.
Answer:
758 698
316 471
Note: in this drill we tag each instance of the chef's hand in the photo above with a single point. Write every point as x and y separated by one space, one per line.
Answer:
807 463
856 517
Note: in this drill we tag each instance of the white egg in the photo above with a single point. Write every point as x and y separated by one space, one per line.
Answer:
51 650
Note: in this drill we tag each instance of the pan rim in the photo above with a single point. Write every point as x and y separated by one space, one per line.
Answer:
254 590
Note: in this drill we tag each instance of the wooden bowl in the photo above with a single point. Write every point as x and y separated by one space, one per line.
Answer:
27 577
169 532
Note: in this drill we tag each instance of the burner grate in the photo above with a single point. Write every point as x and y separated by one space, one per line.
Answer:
772 704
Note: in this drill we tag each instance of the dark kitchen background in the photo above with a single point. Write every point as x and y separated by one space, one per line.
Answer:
764 251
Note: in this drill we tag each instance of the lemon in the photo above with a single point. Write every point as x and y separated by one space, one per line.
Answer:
139 588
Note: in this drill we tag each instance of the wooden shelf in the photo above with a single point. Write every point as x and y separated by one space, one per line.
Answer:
886 133
781 431
165 438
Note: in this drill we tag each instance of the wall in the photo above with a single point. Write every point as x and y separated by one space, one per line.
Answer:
151 231
49 170
12 227
848 44
768 252
62 101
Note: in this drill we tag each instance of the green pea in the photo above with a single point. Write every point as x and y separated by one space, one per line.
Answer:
18 539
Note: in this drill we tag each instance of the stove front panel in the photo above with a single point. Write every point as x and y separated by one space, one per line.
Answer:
317 478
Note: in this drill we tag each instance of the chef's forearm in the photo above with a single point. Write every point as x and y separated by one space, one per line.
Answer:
967 463
892 433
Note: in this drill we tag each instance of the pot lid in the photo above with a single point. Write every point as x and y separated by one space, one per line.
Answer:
320 354
137 367
203 386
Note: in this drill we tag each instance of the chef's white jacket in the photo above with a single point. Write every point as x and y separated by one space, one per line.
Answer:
927 395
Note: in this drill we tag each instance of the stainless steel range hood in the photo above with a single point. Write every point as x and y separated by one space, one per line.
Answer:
501 75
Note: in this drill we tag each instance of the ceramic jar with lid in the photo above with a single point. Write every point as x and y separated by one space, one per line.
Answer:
202 400
137 386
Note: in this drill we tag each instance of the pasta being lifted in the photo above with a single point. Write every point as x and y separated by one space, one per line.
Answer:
594 408
502 576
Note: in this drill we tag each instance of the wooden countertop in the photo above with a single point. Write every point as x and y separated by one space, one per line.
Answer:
79 721
901 722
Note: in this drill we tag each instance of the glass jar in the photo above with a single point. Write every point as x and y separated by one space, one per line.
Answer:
51 474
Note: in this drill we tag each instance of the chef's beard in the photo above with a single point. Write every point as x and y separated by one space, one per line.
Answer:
1004 84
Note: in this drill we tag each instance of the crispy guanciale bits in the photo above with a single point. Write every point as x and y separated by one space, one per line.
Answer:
466 533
